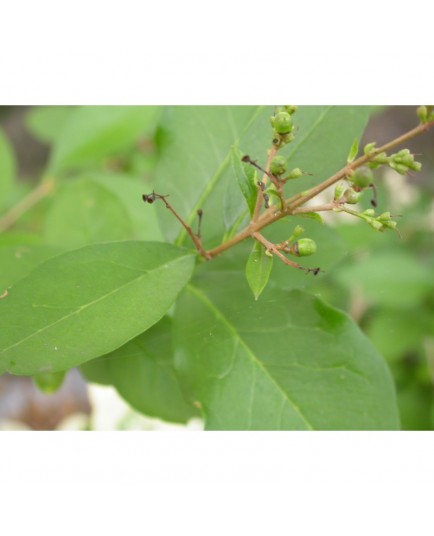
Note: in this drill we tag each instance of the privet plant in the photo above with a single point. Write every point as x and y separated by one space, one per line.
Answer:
165 252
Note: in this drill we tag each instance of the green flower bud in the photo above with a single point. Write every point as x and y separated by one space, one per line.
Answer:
377 225
351 196
415 166
386 216
290 109
304 247
294 174
381 158
339 190
369 212
390 224
282 123
369 147
288 138
278 165
399 168
298 231
362 177
422 113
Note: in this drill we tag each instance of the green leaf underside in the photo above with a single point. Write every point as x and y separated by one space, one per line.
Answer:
289 362
324 135
258 269
143 374
88 302
113 129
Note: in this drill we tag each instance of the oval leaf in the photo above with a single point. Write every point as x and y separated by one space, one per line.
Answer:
258 269
84 212
113 128
289 362
88 302
142 372
195 165
17 261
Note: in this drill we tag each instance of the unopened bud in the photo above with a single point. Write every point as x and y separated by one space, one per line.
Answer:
362 177
351 196
369 147
422 113
294 174
278 165
339 190
377 225
399 168
282 122
304 247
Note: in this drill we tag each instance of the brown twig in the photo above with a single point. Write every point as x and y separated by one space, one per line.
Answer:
275 250
196 239
259 200
293 203
272 248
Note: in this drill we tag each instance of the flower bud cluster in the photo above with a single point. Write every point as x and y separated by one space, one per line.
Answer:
283 127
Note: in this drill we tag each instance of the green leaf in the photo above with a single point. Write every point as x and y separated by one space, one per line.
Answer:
289 362
353 151
83 213
17 261
389 278
258 269
245 175
396 334
143 374
49 382
46 122
195 165
100 207
128 190
96 371
88 302
92 133
7 169
416 405
321 145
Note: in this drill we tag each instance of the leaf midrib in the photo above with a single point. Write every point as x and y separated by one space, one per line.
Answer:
206 301
210 185
86 306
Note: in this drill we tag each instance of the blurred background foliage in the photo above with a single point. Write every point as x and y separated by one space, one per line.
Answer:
384 281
